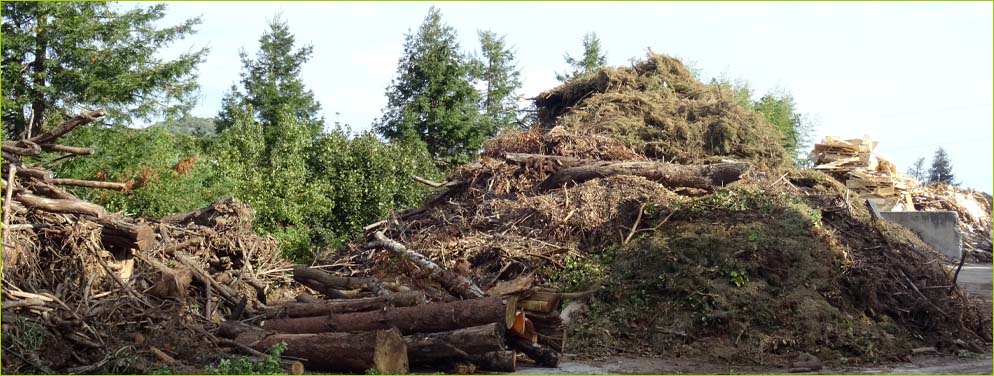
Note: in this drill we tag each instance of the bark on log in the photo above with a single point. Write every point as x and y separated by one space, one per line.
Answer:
91 184
550 330
119 233
383 350
668 174
436 317
332 282
61 205
496 361
542 355
454 283
67 149
68 126
459 344
21 148
298 309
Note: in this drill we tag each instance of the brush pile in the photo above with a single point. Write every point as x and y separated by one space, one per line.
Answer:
87 290
674 211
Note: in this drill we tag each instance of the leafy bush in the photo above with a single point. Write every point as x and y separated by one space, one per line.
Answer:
245 366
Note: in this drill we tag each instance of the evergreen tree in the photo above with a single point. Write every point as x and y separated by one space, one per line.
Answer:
60 58
942 169
271 83
502 80
591 61
917 170
778 108
432 100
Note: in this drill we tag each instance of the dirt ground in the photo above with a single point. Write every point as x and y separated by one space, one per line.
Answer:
976 279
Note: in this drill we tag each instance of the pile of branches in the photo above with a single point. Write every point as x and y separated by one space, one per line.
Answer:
89 290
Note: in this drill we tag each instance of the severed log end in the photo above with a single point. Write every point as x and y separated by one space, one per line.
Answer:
390 354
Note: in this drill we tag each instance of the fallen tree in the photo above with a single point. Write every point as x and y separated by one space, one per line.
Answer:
322 308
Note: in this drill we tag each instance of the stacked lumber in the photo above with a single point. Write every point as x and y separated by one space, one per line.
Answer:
870 176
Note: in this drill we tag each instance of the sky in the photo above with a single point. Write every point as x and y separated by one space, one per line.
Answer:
914 76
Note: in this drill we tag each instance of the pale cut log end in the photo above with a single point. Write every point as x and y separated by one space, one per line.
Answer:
390 355
511 311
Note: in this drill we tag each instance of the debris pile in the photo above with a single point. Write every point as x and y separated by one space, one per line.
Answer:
86 290
675 212
646 214
870 176
973 209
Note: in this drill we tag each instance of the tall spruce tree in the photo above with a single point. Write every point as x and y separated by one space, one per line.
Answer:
942 169
60 58
272 85
501 79
591 61
432 100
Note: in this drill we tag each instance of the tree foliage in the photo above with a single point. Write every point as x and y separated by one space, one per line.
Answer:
502 80
62 57
590 62
432 100
917 170
941 170
188 125
271 83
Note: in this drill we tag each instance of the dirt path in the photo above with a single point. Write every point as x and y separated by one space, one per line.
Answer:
975 278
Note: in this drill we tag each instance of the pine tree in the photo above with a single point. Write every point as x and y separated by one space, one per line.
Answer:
271 83
432 100
917 170
499 73
591 61
942 169
60 58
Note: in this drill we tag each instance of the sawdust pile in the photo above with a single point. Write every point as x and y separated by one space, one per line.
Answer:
776 265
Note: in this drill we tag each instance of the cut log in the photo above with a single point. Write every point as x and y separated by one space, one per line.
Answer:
91 184
22 148
68 126
67 149
118 233
459 344
60 205
327 281
496 361
454 283
308 298
436 317
382 350
322 308
550 329
542 355
672 175
542 300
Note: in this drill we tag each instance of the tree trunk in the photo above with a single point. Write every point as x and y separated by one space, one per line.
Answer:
454 283
382 350
668 174
298 309
68 126
496 361
543 356
436 317
60 205
459 344
117 233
